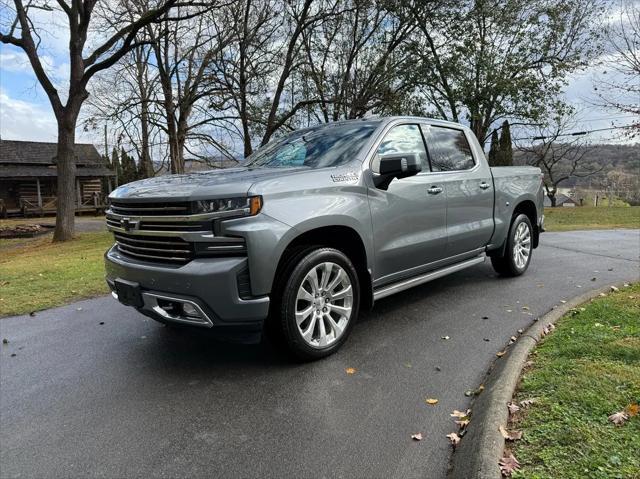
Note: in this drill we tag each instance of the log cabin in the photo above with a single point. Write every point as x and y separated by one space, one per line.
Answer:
28 178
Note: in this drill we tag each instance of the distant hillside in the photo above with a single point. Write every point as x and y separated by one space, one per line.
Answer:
622 158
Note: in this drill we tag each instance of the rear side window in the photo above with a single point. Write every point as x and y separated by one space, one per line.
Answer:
449 149
403 139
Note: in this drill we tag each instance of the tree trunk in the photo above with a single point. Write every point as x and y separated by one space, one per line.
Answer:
66 194
146 167
552 198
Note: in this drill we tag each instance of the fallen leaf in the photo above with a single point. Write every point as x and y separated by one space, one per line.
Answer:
563 301
603 295
32 313
78 309
454 439
525 403
431 401
632 410
445 337
462 423
500 353
513 408
5 341
437 368
547 329
486 339
508 464
525 308
614 289
510 436
101 323
13 355
509 310
460 414
594 279
350 370
474 392
619 418
417 436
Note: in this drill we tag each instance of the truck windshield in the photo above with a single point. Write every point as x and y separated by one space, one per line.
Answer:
329 145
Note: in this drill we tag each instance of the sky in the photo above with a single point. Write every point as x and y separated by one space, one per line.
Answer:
25 112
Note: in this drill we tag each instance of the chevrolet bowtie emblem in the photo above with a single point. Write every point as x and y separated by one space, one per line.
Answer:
128 224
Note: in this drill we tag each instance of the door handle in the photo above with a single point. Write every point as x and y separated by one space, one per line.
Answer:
434 190
484 185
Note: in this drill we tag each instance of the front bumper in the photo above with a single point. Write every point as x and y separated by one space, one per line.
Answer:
209 285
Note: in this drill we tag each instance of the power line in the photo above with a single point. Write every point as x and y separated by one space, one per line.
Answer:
578 133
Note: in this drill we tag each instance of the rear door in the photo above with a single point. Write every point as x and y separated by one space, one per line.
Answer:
469 188
409 218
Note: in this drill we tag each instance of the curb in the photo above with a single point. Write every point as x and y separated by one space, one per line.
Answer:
478 453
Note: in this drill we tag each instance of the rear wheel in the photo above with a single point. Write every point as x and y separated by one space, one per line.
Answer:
319 303
517 254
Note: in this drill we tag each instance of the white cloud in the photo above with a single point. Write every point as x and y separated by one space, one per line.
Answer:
22 120
14 61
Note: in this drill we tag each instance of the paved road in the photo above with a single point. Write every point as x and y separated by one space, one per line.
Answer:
130 398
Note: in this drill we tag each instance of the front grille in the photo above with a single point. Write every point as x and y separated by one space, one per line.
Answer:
155 248
150 209
145 231
164 225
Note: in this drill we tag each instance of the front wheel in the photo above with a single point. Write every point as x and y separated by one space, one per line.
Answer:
319 303
517 254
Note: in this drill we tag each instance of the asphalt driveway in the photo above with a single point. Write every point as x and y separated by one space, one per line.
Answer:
130 398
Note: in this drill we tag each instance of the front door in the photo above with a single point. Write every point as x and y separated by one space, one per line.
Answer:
409 218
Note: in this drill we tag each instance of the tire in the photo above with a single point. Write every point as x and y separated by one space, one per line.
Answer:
312 318
517 254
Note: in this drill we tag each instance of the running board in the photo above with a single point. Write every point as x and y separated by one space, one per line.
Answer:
426 277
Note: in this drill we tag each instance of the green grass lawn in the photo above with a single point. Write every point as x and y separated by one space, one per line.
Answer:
37 274
586 370
589 217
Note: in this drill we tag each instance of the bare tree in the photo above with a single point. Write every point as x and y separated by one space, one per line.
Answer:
259 68
356 63
618 88
112 45
183 53
558 155
487 60
124 97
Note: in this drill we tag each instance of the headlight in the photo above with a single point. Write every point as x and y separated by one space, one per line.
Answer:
239 206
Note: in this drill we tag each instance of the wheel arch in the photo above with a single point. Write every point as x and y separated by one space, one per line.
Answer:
528 208
341 237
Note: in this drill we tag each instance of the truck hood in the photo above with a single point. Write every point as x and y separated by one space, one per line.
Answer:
229 182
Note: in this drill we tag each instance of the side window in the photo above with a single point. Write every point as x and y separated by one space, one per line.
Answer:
403 139
449 149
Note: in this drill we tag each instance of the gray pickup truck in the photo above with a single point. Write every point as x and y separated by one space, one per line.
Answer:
317 225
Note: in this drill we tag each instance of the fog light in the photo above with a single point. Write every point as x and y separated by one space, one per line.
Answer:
190 310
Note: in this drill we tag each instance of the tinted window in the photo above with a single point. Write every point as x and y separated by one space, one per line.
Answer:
319 147
403 139
449 149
